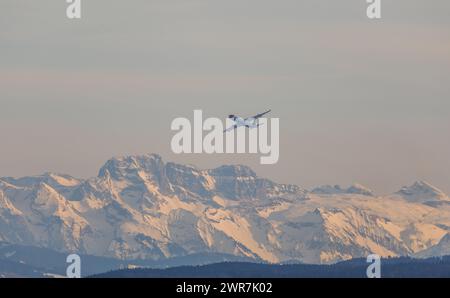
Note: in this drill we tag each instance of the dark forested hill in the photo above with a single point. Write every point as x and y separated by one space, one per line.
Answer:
394 267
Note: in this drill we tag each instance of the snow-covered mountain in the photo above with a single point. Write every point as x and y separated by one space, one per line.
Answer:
139 207
422 192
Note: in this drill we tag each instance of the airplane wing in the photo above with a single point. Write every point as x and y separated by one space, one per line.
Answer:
230 128
259 115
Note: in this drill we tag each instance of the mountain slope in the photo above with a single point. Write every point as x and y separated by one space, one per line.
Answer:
440 249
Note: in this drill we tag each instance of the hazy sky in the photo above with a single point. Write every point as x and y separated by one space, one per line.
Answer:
358 100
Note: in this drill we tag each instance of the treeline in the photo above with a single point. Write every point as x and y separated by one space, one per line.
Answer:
390 268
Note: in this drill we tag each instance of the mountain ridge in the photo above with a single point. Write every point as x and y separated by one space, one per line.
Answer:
139 207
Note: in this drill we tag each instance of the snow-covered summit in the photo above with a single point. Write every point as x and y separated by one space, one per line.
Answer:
422 191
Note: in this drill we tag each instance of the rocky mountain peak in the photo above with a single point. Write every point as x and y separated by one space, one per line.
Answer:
233 171
422 191
120 167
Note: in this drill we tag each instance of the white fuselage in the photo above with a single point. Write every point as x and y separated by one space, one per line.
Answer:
249 122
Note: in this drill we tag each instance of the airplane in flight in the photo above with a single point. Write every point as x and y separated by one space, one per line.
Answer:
250 122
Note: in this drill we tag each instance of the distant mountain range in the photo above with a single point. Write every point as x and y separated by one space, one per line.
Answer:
140 208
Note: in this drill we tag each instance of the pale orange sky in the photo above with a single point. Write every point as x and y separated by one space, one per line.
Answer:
358 100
